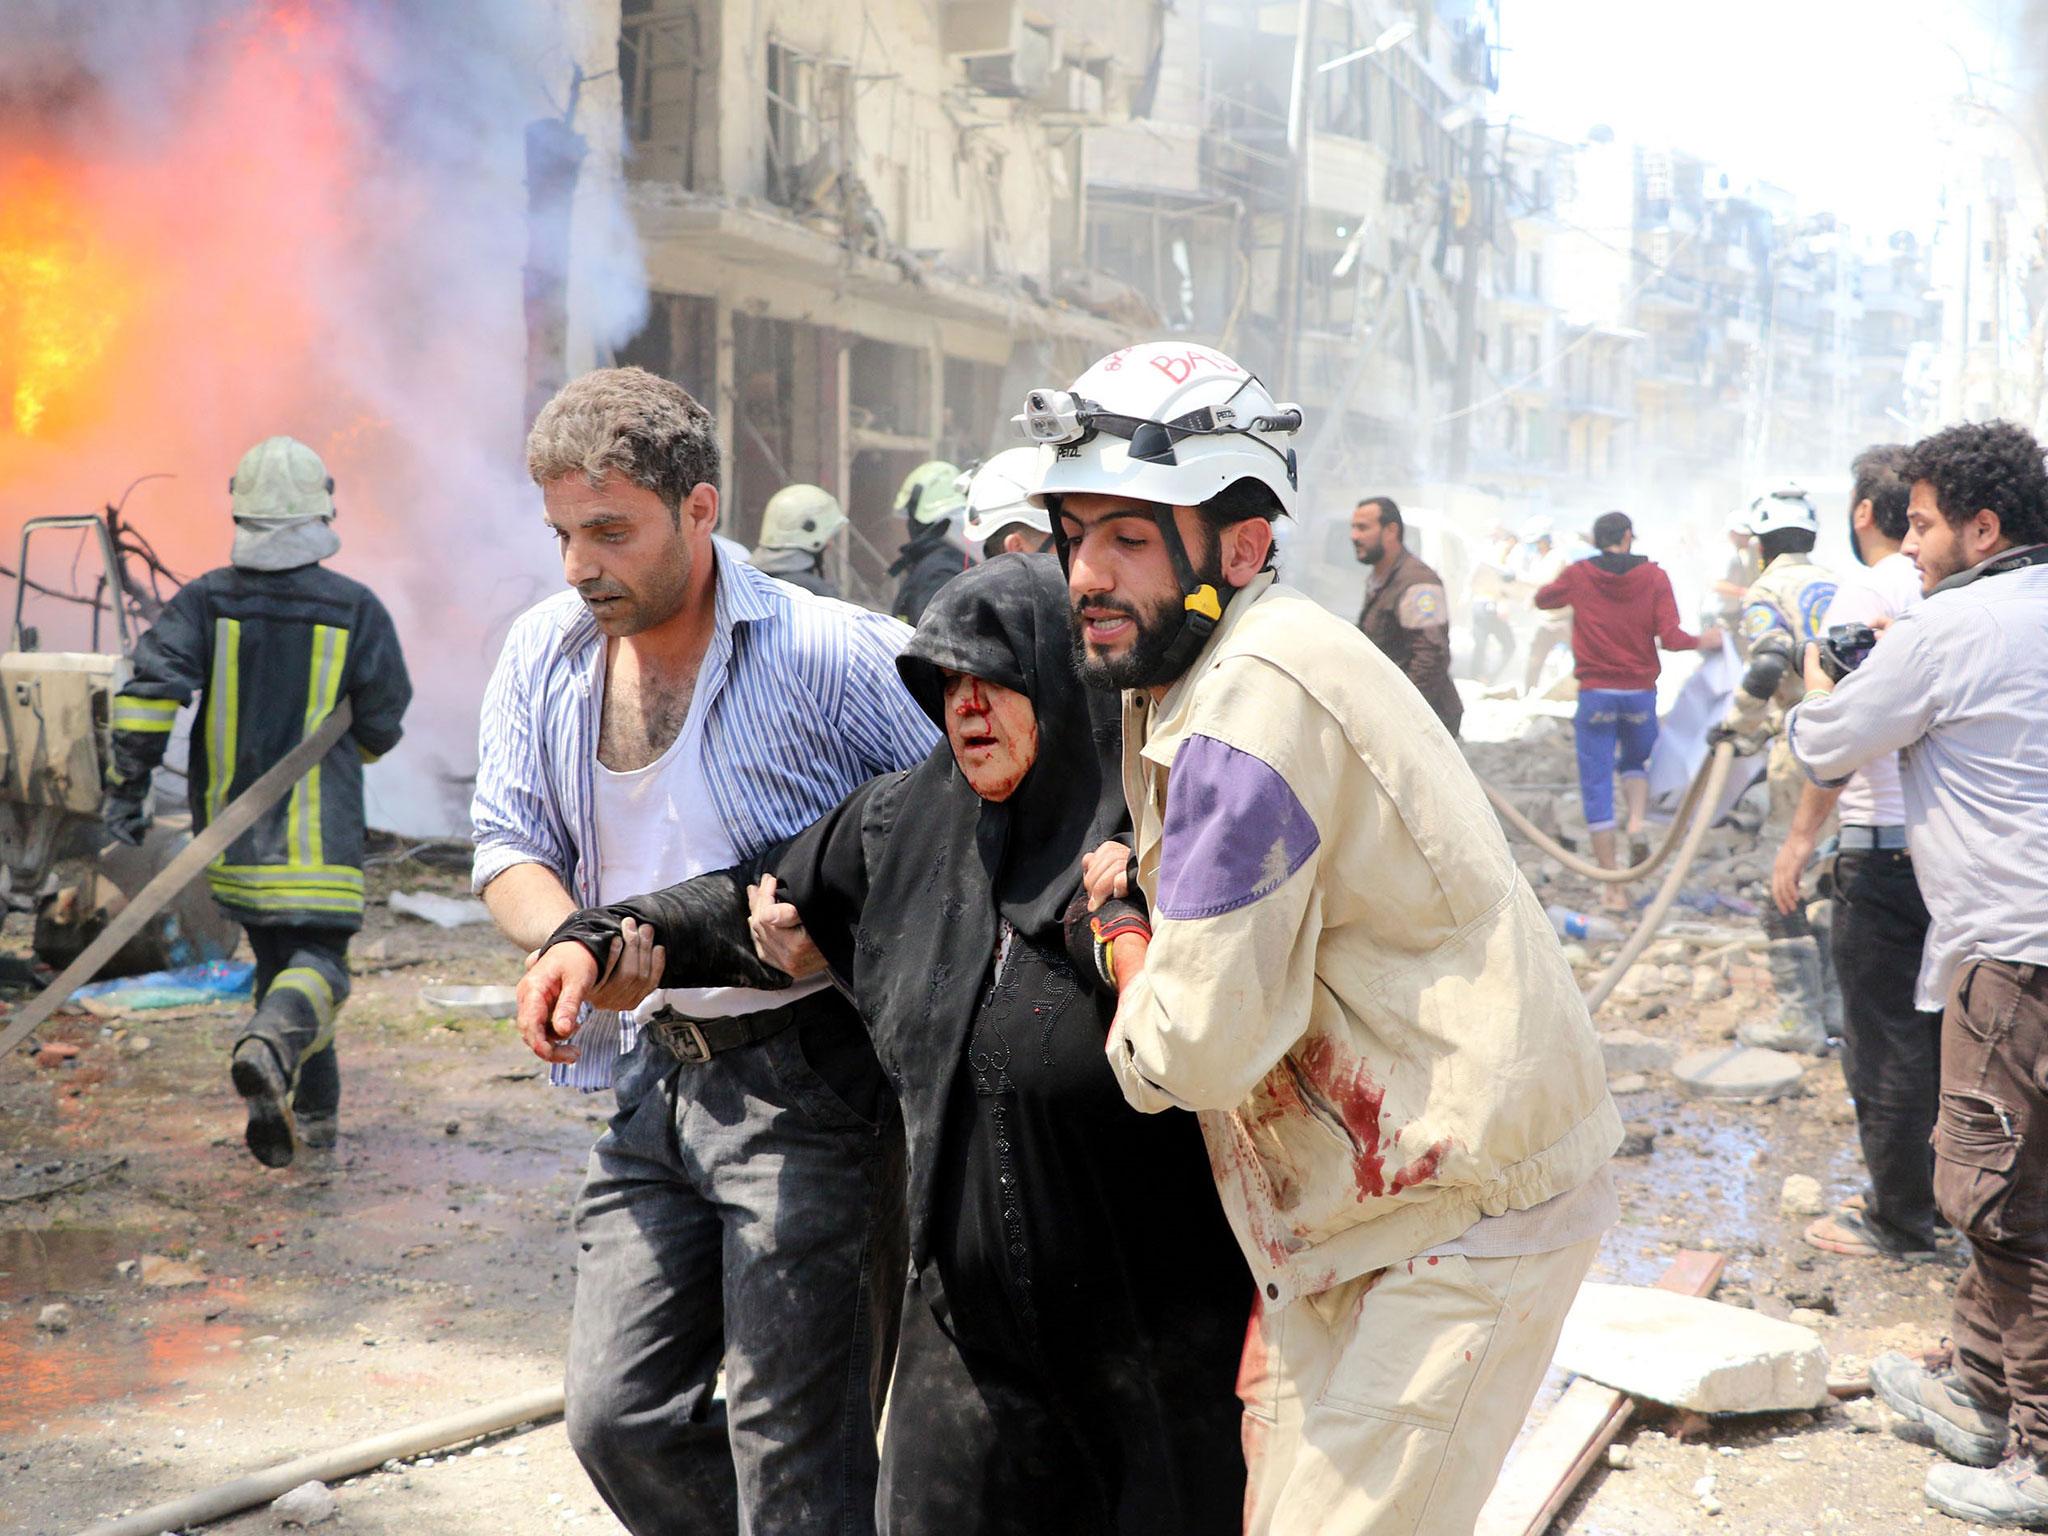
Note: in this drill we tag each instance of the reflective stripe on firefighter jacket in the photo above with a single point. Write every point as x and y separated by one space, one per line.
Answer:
269 654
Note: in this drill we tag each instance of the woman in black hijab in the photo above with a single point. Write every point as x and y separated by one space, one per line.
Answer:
1071 1365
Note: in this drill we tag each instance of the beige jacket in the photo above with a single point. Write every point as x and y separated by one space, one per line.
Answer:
1348 978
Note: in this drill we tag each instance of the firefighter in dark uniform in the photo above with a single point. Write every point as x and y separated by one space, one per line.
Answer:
270 645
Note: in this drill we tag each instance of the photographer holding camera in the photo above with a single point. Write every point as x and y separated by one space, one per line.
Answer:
1891 1049
1958 689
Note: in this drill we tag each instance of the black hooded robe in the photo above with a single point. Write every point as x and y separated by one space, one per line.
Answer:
1072 1368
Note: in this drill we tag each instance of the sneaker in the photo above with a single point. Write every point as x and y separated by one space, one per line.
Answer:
1784 1035
1964 1430
2012 1493
261 1083
318 1133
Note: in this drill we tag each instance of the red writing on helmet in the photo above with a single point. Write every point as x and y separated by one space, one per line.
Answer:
1185 364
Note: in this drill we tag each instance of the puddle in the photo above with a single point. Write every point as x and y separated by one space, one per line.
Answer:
53 1377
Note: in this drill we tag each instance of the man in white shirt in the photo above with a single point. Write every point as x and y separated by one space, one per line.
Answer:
1891 1049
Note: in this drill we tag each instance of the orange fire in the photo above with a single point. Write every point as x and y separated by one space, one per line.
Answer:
63 296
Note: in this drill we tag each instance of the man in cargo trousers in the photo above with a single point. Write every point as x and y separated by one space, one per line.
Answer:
270 644
1347 978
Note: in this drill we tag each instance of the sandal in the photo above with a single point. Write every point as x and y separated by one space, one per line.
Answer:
1846 1232
1943 1232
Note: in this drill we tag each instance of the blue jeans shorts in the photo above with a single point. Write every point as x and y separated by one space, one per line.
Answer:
1615 730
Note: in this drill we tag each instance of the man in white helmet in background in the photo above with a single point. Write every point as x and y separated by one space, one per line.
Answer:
1732 590
1782 611
270 644
1540 561
931 506
1001 517
1346 976
797 526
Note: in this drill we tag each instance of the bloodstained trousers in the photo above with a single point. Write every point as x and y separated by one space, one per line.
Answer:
1991 1182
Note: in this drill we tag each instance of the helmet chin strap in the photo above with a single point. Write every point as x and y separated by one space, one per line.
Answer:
1201 603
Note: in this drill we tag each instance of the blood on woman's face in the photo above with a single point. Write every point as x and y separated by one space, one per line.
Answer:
993 731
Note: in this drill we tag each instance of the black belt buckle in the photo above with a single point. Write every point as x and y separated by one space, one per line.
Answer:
683 1037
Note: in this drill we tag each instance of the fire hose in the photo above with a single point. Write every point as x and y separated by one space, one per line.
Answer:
342 1461
237 817
1695 815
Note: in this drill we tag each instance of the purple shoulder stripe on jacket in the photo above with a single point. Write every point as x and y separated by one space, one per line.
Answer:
1234 832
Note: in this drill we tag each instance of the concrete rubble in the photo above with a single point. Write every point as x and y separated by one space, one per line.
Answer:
1747 1074
1692 1353
308 1504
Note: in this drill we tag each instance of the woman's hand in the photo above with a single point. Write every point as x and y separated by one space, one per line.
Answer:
557 983
633 969
779 937
1105 872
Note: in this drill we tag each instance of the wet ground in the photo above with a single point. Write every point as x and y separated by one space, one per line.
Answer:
426 1267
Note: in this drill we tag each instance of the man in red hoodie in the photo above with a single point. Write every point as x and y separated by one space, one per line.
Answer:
1622 610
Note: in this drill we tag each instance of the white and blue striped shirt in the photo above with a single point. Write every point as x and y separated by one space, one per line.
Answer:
803 705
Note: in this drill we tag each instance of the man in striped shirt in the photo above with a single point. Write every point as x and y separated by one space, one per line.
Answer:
676 714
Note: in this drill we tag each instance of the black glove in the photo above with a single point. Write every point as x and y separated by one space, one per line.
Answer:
126 818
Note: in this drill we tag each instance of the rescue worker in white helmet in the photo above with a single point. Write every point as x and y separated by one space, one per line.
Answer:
1001 517
933 555
1346 976
797 526
1782 611
269 645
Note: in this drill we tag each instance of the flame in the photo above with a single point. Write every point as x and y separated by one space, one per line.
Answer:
63 297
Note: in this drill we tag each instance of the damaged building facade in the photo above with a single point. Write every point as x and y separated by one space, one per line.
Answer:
868 230
862 231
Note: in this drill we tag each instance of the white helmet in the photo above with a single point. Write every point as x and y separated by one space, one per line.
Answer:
1786 507
1536 529
1163 422
801 517
999 494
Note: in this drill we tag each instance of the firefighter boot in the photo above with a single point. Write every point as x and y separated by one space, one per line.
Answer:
1799 1024
260 1079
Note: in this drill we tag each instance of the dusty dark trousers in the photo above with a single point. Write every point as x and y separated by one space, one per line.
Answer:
1991 1182
1891 1050
749 1208
301 982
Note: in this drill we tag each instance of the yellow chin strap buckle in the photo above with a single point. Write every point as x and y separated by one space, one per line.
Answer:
1203 601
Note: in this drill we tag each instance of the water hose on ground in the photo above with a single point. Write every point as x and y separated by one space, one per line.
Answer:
1586 867
1714 777
343 1461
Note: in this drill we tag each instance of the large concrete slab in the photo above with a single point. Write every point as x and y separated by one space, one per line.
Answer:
1745 1073
1691 1352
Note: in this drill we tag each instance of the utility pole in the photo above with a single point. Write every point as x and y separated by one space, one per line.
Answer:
1478 220
1291 245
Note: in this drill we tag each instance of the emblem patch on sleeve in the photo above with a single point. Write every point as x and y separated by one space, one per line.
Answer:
1423 606
1234 831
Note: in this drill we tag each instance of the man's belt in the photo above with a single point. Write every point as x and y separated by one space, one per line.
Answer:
1871 839
695 1040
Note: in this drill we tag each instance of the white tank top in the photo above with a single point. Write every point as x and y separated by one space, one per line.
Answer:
657 826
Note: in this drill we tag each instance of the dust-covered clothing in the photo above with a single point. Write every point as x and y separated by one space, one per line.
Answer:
1408 616
1070 1251
1785 607
1386 1404
1348 974
270 654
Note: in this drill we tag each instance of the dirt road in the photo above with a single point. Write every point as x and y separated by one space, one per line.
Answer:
427 1266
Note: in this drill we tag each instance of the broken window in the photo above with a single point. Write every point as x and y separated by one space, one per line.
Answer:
667 90
808 103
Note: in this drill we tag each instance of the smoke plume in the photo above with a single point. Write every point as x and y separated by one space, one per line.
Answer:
221 220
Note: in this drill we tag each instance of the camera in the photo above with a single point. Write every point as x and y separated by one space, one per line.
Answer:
1844 648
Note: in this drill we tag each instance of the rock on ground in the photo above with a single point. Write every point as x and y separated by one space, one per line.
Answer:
1742 1072
1802 1195
1691 1352
308 1504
